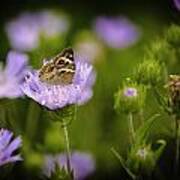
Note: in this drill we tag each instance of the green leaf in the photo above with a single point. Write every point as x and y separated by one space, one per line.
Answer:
142 132
162 144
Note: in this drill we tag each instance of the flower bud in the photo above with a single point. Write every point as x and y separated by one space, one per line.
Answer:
161 52
130 98
149 72
142 158
173 36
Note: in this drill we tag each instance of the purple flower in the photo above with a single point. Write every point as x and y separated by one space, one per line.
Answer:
24 32
58 96
177 4
49 165
7 146
13 74
52 24
116 32
82 164
130 92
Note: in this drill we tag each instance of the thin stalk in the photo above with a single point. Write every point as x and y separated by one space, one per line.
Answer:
64 124
67 144
131 127
177 137
116 154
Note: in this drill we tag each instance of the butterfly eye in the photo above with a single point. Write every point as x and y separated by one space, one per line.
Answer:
60 62
63 71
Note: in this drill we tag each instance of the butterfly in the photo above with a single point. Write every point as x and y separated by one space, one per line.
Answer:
59 70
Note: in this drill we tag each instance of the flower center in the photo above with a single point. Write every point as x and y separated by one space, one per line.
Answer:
130 92
142 153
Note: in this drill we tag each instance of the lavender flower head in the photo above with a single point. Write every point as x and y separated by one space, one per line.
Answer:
59 96
116 32
7 146
24 32
12 76
130 92
177 4
49 165
82 164
52 24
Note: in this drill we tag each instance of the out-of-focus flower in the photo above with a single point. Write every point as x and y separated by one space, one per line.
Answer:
13 75
89 49
117 32
58 96
24 32
88 46
51 24
49 165
82 164
177 4
7 146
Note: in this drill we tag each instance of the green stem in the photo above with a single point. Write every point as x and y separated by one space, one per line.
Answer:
67 144
177 137
116 154
131 127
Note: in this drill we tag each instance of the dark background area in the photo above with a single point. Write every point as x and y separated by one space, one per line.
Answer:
89 7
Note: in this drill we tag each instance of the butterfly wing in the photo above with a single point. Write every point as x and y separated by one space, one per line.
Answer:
67 55
63 68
